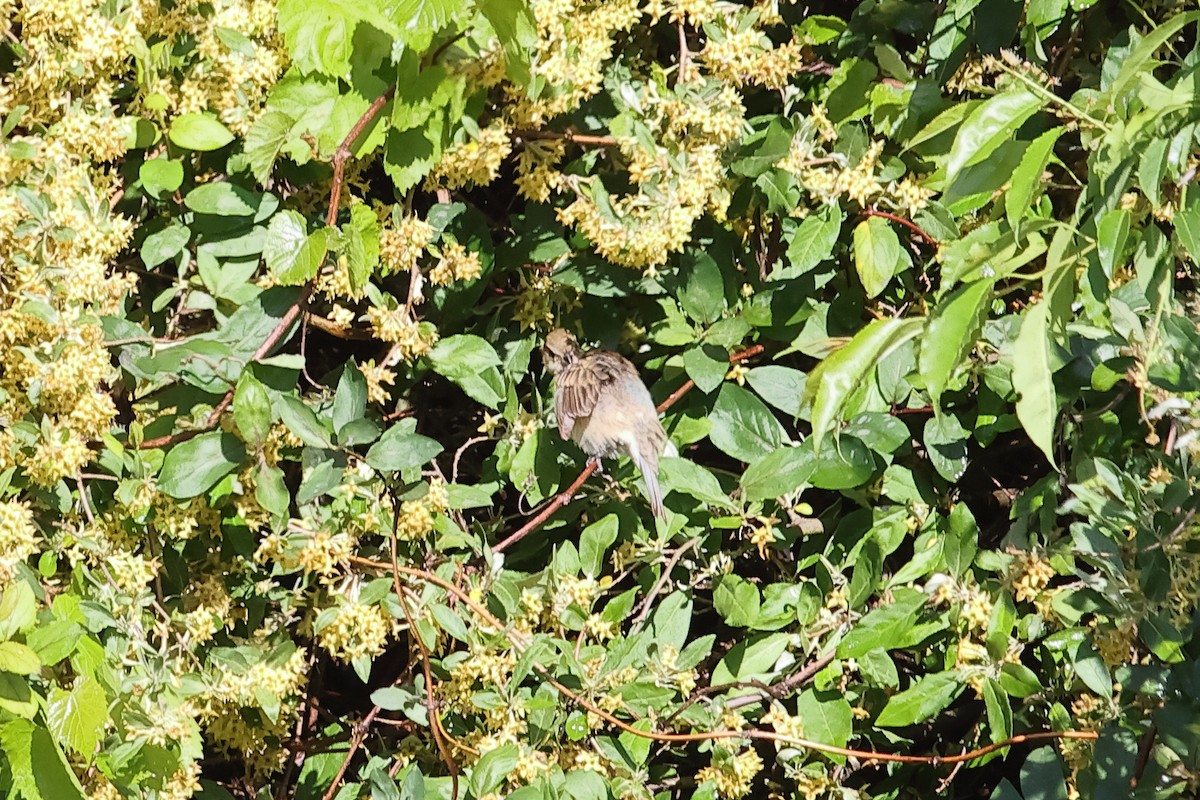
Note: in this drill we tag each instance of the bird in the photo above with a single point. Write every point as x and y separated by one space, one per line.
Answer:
601 404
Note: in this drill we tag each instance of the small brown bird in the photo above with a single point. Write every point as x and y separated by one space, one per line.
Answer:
602 405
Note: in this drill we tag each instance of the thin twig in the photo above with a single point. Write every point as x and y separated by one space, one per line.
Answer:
570 136
912 226
644 610
778 690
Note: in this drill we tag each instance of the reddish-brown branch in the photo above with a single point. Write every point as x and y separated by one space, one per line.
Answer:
340 157
560 500
564 497
570 136
912 226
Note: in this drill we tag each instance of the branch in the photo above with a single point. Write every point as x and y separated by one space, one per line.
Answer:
570 136
340 157
874 212
564 497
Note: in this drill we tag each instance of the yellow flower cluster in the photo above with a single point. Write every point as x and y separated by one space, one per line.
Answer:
731 776
763 534
668 674
376 376
232 81
400 245
18 537
476 162
692 12
1029 576
540 301
254 737
417 516
412 339
745 55
575 40
456 264
208 607
1114 640
308 547
357 630
783 723
578 591
537 173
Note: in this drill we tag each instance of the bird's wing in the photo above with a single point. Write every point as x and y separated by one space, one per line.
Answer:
582 383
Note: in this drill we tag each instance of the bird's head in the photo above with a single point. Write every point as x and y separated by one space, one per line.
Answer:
559 350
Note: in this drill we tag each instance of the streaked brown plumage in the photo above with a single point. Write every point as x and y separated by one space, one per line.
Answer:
602 405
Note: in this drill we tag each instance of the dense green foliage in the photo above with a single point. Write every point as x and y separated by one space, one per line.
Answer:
273 277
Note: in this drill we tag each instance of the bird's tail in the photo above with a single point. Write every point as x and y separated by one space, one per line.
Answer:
649 470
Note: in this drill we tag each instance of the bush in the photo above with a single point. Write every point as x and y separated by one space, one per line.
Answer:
912 281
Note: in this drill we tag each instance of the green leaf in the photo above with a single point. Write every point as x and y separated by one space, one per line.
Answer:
887 627
19 659
595 541
1091 669
360 245
270 490
319 34
472 363
292 254
750 659
51 770
812 243
16 696
946 443
999 712
78 717
778 473
1027 177
419 20
1187 229
201 132
929 695
877 254
687 477
991 124
1019 680
1134 63
164 245
960 540
252 409
18 610
950 335
193 467
302 421
398 449
737 601
1032 377
492 768
706 365
742 426
1111 234
16 745
350 400
826 716
835 380
516 29
264 140
223 199
782 387
161 175
702 296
